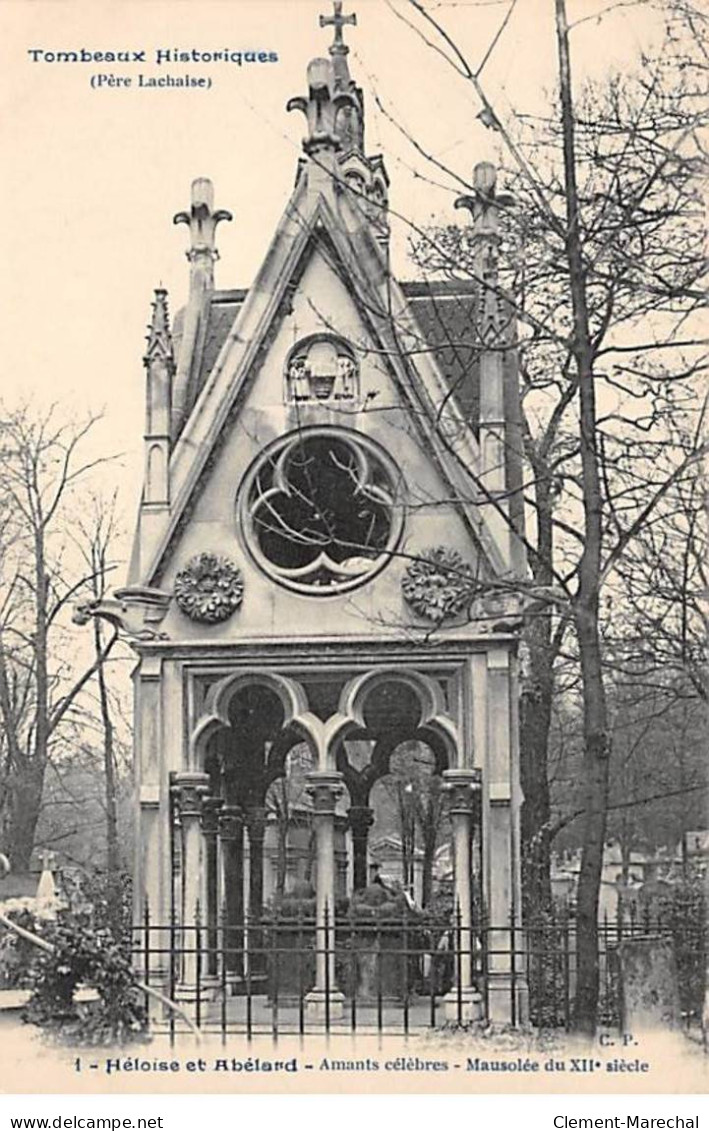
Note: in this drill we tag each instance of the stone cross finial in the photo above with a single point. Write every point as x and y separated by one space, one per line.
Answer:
338 21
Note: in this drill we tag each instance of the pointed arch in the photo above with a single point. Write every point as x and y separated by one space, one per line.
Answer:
216 714
434 722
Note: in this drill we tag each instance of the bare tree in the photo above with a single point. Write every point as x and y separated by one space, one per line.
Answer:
415 792
41 681
96 538
605 240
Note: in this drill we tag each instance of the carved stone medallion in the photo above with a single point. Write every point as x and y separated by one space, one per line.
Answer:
209 588
439 584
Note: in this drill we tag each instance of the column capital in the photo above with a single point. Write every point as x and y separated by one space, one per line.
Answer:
231 822
255 817
463 788
324 788
211 807
189 789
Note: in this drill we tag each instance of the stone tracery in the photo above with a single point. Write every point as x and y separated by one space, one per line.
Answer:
321 510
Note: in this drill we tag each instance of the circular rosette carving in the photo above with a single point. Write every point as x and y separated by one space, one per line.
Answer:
209 588
439 584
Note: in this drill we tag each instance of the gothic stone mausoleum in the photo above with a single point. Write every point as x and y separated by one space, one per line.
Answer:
323 578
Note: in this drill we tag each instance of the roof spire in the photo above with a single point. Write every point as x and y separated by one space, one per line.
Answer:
338 21
338 49
159 338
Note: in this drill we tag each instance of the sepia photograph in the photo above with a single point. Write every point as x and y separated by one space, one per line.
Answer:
353 546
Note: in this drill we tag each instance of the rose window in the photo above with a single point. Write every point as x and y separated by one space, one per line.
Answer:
321 511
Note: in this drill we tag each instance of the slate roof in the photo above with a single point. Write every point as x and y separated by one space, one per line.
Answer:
444 311
223 309
446 314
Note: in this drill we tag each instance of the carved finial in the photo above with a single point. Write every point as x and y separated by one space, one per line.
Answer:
334 107
485 203
338 21
321 106
159 338
484 206
202 222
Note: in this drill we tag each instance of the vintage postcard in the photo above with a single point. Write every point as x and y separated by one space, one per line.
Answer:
352 548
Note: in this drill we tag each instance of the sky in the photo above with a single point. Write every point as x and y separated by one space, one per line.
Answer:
92 177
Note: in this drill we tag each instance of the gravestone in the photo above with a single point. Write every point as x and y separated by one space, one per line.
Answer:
648 981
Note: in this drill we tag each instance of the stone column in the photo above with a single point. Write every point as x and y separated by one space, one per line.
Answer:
210 829
190 790
325 1000
231 837
151 866
463 787
506 983
361 819
256 831
151 958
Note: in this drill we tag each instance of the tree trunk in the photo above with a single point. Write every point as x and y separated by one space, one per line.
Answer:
113 854
29 783
360 818
429 854
255 828
407 848
537 693
535 722
428 813
596 759
595 718
26 805
282 818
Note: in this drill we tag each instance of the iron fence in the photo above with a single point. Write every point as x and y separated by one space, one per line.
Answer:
551 962
293 976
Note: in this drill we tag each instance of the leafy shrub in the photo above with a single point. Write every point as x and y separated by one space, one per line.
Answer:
17 955
683 909
92 958
298 904
111 900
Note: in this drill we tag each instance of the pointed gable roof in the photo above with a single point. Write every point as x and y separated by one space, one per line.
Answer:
331 221
445 312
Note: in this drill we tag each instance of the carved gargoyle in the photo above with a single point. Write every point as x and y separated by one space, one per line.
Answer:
135 612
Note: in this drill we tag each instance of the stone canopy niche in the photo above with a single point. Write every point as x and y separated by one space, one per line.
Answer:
322 368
